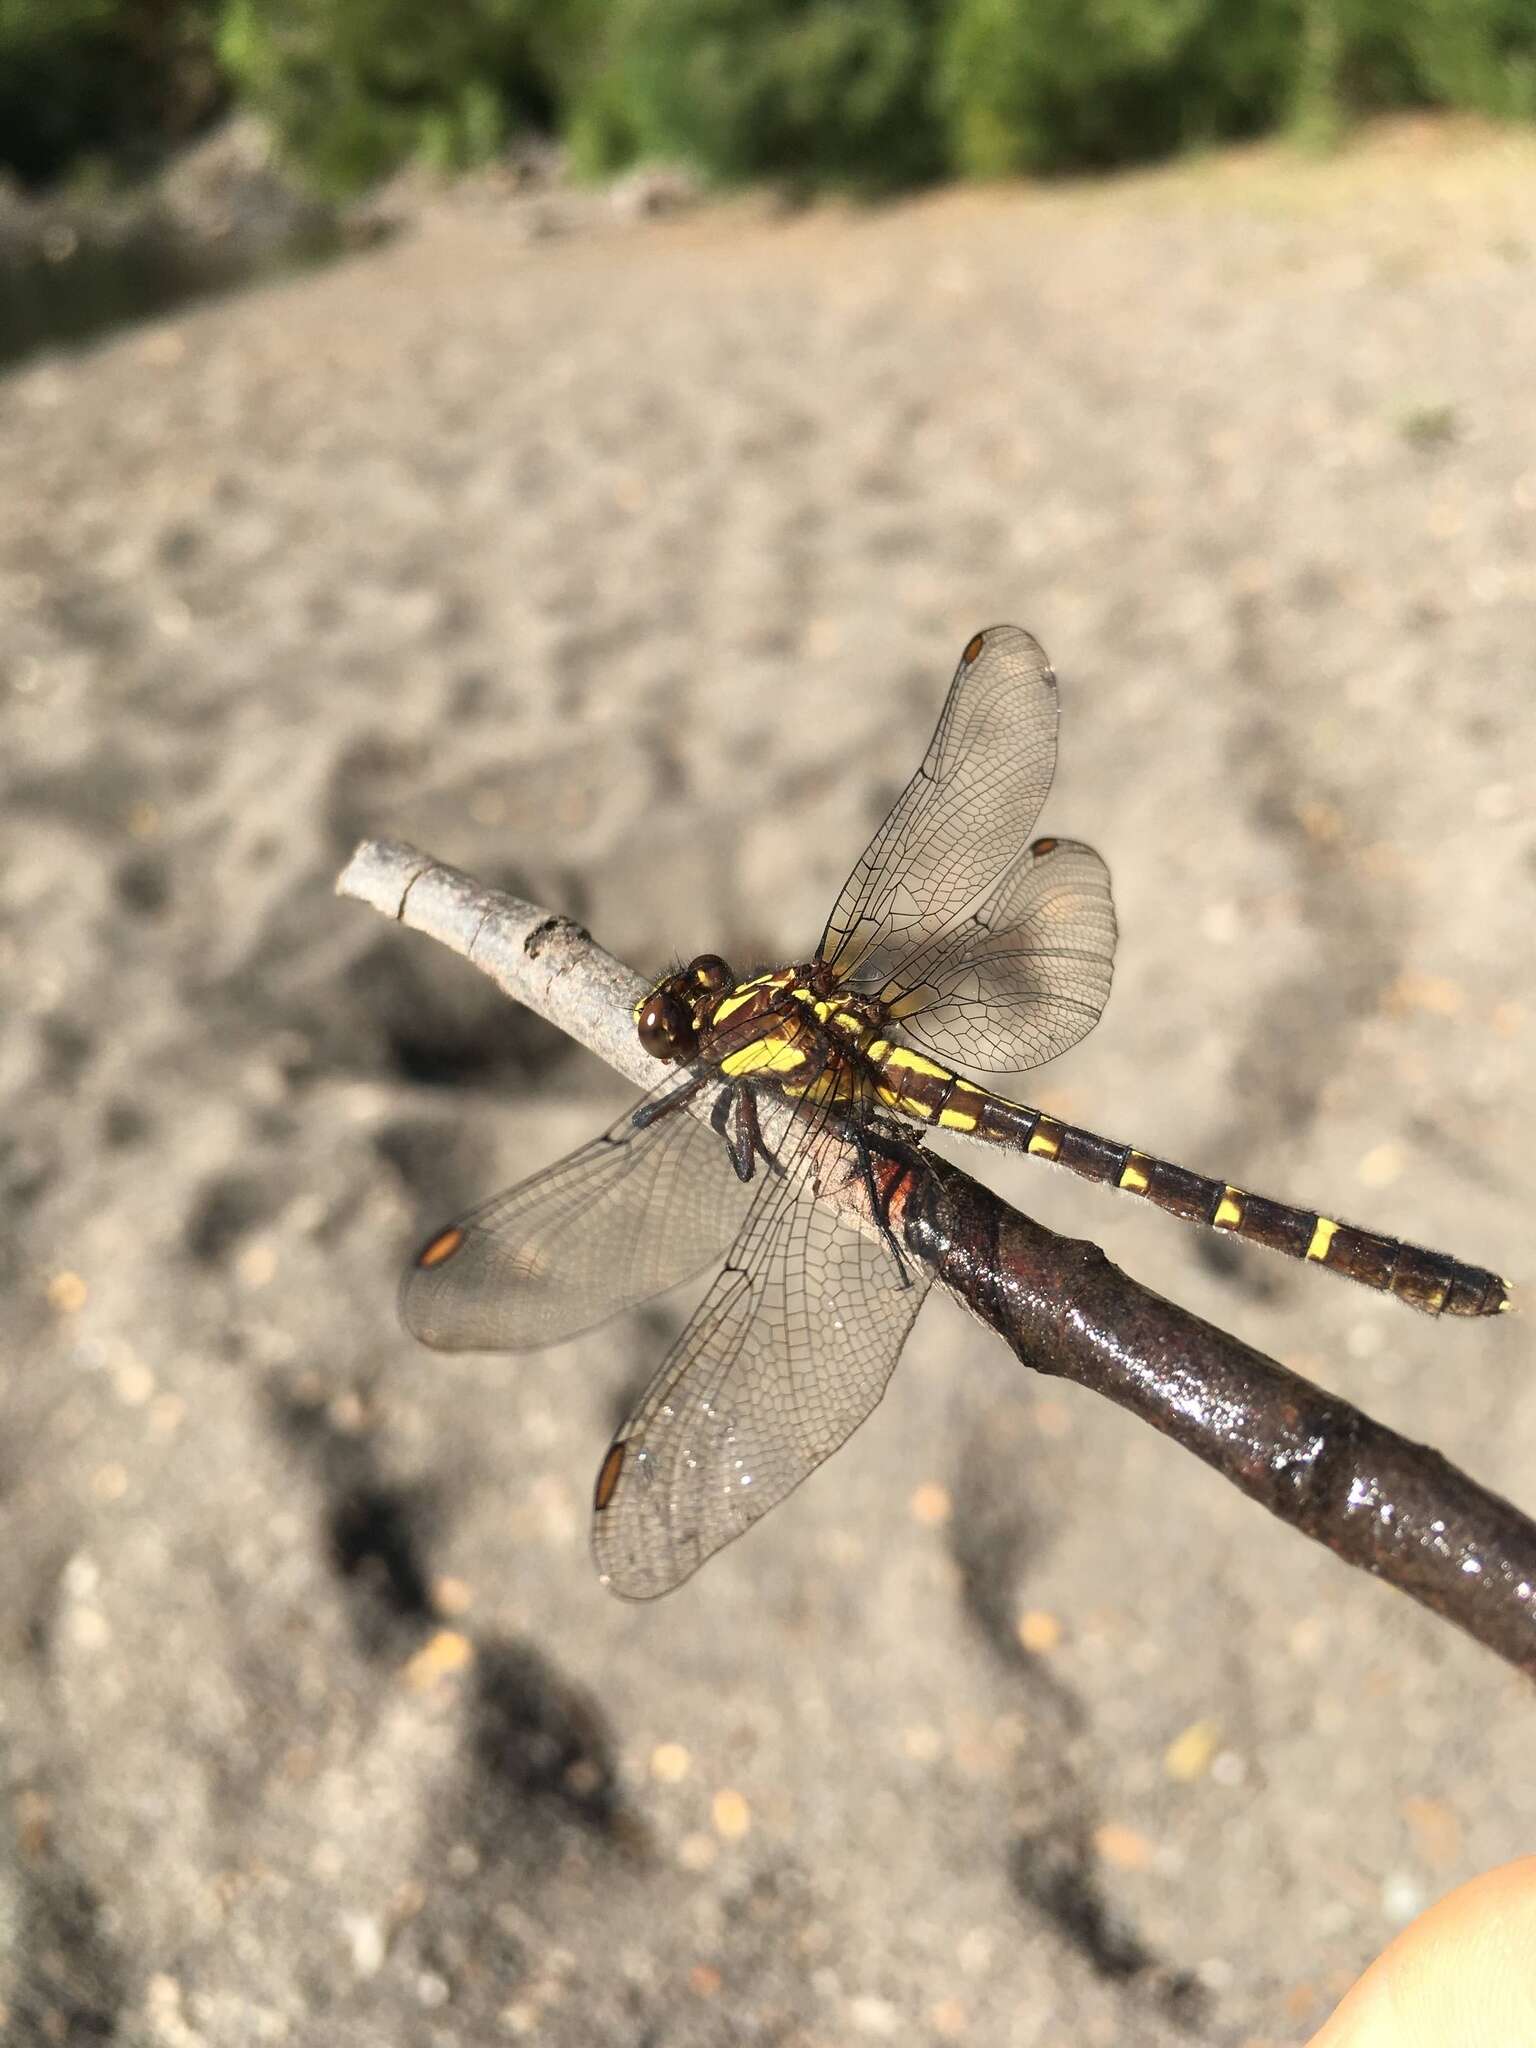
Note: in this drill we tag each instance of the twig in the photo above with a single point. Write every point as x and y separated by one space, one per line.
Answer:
545 962
1376 1499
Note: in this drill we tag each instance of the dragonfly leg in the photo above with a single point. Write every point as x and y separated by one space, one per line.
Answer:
877 1208
750 1131
737 1142
651 1112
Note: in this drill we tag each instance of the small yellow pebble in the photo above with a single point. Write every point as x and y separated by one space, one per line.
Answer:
1322 822
1433 993
133 1383
669 1763
346 1412
257 1264
67 1293
1382 1165
1125 1848
1038 1631
921 1744
1189 1755
439 1657
731 1814
931 1504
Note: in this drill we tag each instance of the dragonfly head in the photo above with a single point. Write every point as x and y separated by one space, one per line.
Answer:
671 1017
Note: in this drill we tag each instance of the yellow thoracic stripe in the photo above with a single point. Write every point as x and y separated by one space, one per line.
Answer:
773 1054
1322 1237
742 994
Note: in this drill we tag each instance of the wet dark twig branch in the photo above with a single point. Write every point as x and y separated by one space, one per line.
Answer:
1392 1507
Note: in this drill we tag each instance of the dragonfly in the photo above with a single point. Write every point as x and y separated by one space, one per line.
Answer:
960 946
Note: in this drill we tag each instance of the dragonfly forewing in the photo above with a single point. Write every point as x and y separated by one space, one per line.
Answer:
963 819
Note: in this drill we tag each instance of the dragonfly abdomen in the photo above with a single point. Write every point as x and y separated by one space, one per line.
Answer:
914 1086
1432 1281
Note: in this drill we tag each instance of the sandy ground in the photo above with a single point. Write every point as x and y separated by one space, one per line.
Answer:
629 569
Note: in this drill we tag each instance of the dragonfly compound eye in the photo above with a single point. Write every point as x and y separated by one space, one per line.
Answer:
665 1024
710 973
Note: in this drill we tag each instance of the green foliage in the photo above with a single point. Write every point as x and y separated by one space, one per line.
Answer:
1479 54
1052 84
82 78
355 87
1354 59
1361 56
815 92
865 94
1055 84
600 132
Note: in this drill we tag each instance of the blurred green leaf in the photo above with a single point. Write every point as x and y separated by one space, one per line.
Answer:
1049 85
810 92
354 88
